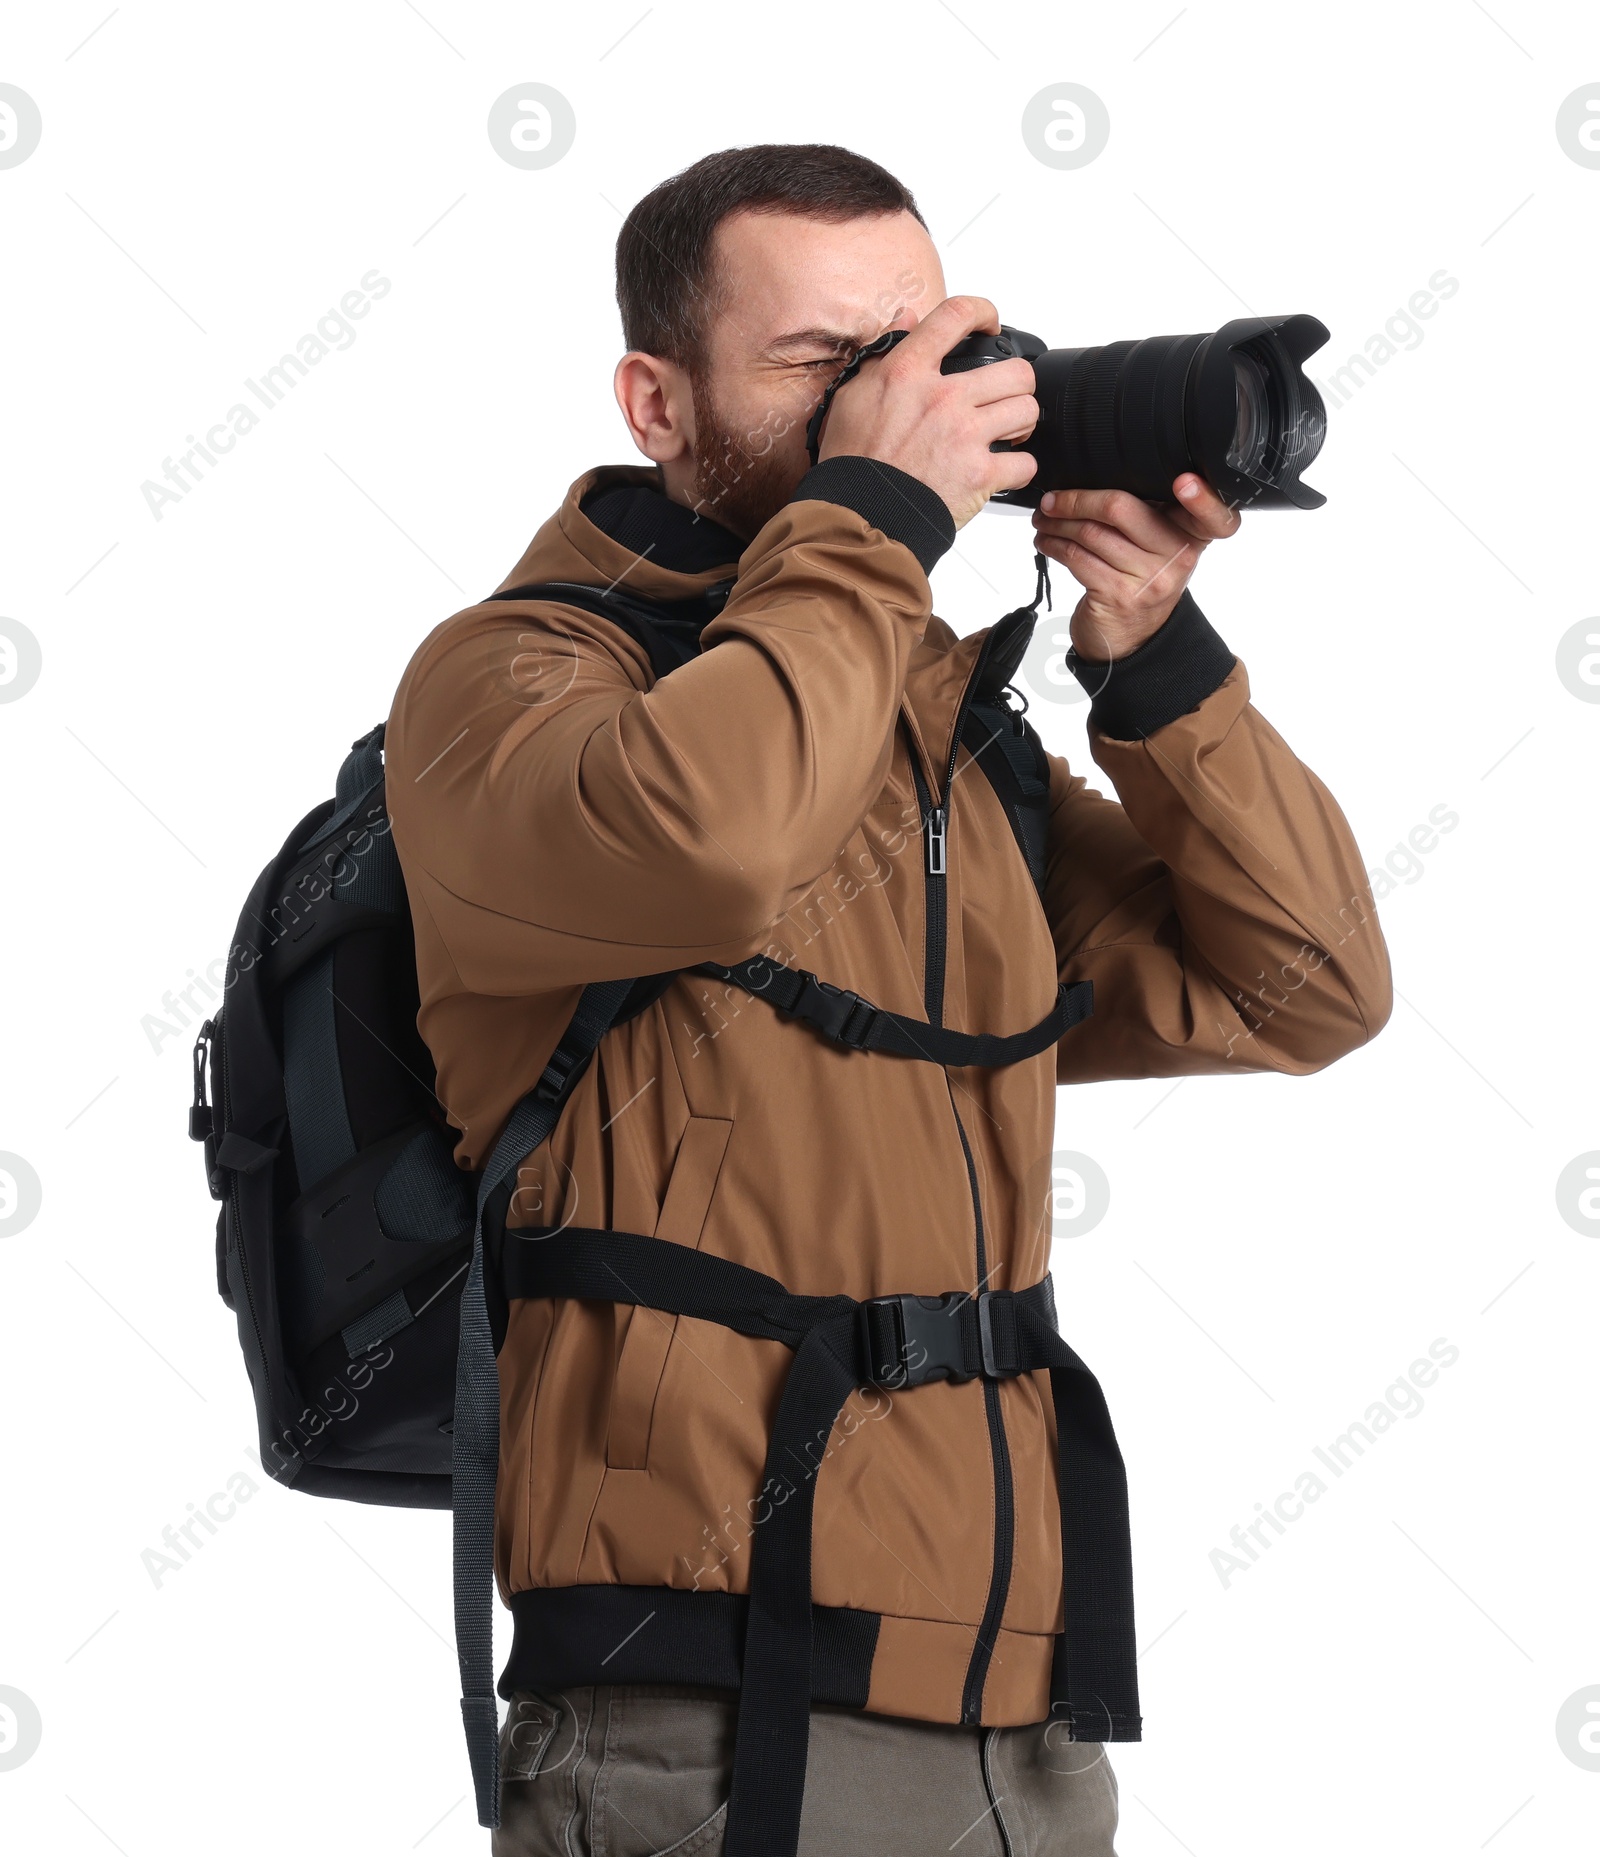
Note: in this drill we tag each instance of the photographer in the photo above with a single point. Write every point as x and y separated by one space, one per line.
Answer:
805 785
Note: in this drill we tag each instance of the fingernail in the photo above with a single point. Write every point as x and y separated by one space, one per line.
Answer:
1048 501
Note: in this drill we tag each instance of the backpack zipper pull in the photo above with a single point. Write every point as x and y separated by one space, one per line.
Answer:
937 820
200 1118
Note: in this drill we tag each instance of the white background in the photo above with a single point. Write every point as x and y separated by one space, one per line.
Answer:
211 180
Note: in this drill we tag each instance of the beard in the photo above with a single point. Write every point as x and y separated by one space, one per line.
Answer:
742 477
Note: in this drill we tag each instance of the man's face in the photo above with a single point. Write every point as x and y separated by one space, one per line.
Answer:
797 296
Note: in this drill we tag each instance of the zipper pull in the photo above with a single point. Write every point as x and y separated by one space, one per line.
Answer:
200 1120
935 827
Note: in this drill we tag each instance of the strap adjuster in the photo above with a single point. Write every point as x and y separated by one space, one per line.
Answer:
557 1074
994 1368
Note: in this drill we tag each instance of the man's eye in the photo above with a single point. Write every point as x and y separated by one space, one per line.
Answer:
825 361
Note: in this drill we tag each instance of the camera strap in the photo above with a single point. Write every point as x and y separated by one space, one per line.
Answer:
849 371
1041 589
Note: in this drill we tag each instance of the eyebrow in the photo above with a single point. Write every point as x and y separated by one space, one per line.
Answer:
836 340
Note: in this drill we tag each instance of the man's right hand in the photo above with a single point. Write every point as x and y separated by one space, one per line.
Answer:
901 410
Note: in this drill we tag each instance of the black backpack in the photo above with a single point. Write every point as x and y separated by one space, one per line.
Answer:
345 1224
359 1260
345 1228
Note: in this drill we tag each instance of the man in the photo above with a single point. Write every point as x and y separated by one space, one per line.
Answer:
804 788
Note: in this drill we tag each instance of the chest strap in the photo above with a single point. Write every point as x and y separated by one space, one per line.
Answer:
848 1019
840 1344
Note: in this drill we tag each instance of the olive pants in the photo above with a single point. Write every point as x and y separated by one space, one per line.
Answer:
610 1771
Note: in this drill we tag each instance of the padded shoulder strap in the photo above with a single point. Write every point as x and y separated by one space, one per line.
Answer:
1014 761
476 1438
669 630
359 773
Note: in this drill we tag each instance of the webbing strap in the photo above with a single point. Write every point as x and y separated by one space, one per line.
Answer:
1094 1682
609 1266
772 1734
837 1343
1094 1672
848 1019
476 1438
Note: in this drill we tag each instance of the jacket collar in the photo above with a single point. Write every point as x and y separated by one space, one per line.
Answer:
572 545
647 521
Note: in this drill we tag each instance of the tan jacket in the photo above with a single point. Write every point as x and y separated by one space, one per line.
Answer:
559 820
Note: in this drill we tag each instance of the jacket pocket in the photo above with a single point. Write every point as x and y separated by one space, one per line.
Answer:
649 1333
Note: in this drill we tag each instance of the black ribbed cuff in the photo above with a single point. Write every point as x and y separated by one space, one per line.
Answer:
1172 672
902 506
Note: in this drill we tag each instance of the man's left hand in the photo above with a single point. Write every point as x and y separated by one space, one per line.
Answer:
1132 560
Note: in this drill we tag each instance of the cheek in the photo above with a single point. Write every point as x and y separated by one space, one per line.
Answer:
791 400
773 426
766 434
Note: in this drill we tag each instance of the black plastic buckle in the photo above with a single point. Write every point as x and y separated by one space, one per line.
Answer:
929 1338
834 1011
933 1338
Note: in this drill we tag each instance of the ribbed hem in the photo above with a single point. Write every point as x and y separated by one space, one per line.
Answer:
1171 673
902 506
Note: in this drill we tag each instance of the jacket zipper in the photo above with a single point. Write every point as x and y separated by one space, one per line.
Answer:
935 825
935 817
1004 1498
935 839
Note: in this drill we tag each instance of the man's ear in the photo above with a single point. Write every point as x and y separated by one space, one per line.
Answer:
658 405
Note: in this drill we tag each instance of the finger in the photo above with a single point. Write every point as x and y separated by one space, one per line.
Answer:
1013 418
1111 546
1012 470
1090 572
1117 509
996 380
943 326
1201 510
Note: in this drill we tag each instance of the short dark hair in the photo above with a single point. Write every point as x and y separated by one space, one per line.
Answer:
665 282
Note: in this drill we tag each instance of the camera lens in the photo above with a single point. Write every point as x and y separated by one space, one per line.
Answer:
1252 429
1235 406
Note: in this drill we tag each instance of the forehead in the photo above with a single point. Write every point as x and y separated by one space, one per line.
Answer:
782 272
